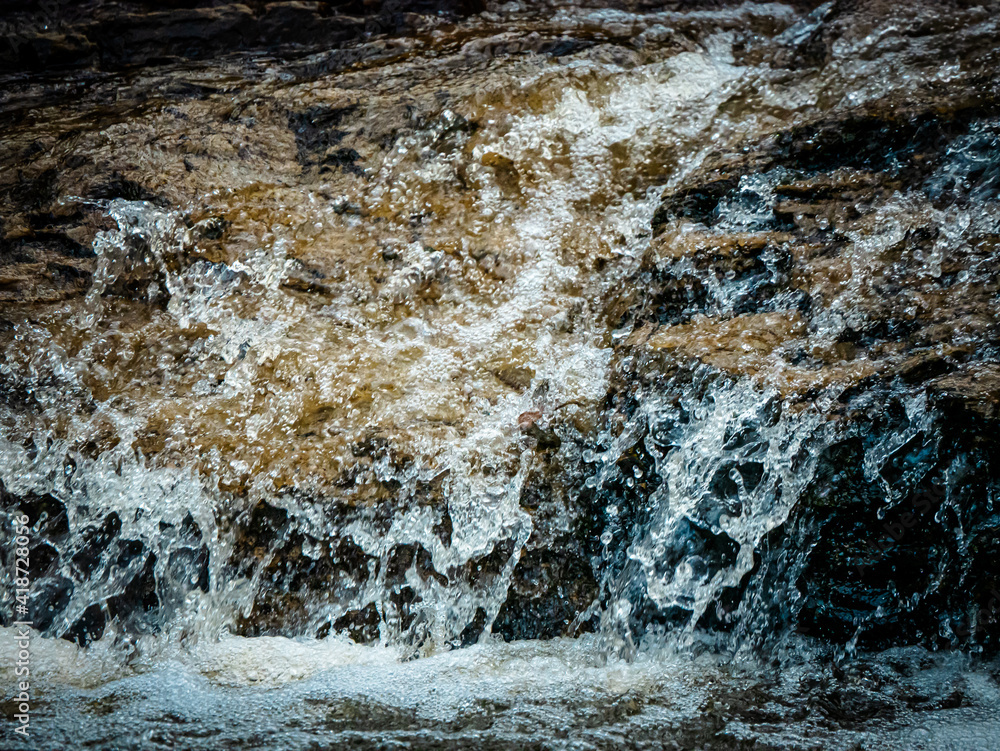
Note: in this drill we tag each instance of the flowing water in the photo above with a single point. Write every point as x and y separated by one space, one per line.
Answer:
386 337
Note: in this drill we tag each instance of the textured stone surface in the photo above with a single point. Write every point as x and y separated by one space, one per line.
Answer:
804 250
111 35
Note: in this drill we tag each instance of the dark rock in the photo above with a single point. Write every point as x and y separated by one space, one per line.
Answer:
111 35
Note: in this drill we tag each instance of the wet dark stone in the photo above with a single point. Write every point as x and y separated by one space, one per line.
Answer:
137 607
345 159
316 130
905 145
62 564
549 591
88 627
699 203
90 544
111 35
361 625
118 186
49 598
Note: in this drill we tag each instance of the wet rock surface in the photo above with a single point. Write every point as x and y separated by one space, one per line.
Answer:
46 36
787 261
411 324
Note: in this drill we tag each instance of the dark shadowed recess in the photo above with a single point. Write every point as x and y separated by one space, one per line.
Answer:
58 34
53 35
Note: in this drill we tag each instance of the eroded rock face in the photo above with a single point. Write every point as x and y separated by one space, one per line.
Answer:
848 263
521 320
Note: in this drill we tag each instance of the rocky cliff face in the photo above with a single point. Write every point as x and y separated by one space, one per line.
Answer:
534 320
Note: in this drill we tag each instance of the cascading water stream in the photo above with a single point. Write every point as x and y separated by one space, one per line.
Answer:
587 379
